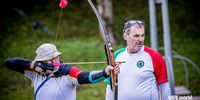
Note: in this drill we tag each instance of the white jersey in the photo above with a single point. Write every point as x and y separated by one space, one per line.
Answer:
61 88
140 75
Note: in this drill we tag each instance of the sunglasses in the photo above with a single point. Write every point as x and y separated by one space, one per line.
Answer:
131 22
128 24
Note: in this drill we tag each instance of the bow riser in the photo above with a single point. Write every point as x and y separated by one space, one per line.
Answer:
111 62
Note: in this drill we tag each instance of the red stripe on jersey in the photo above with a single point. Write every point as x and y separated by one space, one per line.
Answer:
159 65
74 72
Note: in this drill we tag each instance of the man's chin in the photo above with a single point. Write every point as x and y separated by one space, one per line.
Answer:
135 50
138 48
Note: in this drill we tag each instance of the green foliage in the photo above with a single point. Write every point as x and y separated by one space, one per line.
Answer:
79 40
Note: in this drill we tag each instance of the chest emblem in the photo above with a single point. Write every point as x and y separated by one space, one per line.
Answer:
140 64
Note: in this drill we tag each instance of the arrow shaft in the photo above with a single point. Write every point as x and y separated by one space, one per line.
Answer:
84 63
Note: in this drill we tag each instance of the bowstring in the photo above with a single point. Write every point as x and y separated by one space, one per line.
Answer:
59 87
57 30
56 37
58 26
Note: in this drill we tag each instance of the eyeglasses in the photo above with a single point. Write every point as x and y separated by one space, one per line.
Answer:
128 24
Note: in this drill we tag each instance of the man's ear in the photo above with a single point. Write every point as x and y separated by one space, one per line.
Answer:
125 36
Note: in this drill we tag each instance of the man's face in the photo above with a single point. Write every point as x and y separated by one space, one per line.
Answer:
134 39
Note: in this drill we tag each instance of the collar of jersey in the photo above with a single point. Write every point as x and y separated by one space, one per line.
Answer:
142 49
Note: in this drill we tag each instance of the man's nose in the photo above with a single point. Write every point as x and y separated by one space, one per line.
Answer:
140 38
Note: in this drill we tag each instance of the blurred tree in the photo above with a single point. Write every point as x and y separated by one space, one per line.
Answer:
106 11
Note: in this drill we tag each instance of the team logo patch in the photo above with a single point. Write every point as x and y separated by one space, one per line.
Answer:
140 64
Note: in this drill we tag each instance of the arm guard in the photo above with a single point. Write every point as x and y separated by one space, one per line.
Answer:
92 77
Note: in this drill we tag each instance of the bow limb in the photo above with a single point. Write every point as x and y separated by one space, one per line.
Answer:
108 49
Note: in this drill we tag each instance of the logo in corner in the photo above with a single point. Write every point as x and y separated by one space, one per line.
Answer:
140 64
